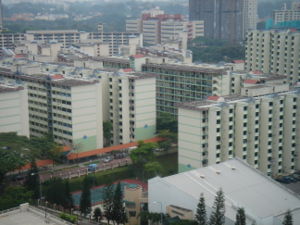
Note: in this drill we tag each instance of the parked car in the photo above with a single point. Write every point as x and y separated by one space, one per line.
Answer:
107 159
92 167
158 150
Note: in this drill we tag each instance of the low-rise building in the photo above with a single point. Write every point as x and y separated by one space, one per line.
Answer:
136 200
265 201
26 214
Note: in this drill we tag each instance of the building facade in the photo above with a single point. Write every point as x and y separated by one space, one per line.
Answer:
262 130
70 37
132 106
274 51
14 116
225 19
158 27
68 109
285 14
184 83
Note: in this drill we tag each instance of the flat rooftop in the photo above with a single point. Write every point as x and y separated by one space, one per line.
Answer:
50 31
229 99
29 216
202 68
6 88
52 78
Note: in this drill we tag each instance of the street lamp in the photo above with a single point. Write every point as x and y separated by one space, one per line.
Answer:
161 212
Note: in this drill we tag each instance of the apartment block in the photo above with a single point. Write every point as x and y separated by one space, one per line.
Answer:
132 106
275 52
14 116
8 40
128 99
262 130
184 83
285 14
93 48
134 26
225 19
70 37
116 39
158 27
67 108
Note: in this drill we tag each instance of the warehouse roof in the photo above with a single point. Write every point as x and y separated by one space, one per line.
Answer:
242 185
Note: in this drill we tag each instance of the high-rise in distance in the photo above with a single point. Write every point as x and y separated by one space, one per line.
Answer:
225 19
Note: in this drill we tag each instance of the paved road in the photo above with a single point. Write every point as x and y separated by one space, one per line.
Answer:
83 170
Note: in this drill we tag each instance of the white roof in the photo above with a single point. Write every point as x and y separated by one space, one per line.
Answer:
242 185
28 215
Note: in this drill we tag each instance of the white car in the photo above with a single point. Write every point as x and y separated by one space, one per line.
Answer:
107 159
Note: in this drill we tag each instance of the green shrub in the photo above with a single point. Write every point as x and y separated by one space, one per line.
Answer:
68 217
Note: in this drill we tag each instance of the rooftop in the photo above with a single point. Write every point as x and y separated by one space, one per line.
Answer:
204 68
242 185
54 79
28 215
229 99
50 31
7 88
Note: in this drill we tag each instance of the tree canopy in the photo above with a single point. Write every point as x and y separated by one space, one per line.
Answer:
213 51
118 210
201 217
240 217
288 219
217 216
85 199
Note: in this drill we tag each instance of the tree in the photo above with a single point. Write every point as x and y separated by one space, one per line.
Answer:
169 135
85 199
14 196
288 219
166 121
165 145
240 217
218 211
118 210
143 153
32 181
68 203
45 148
14 153
140 156
201 211
97 214
108 202
107 129
152 168
56 192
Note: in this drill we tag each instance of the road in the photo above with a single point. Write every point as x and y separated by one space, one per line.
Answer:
82 169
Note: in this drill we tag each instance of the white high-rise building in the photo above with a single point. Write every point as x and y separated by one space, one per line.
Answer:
274 51
250 15
69 109
285 14
14 116
262 130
